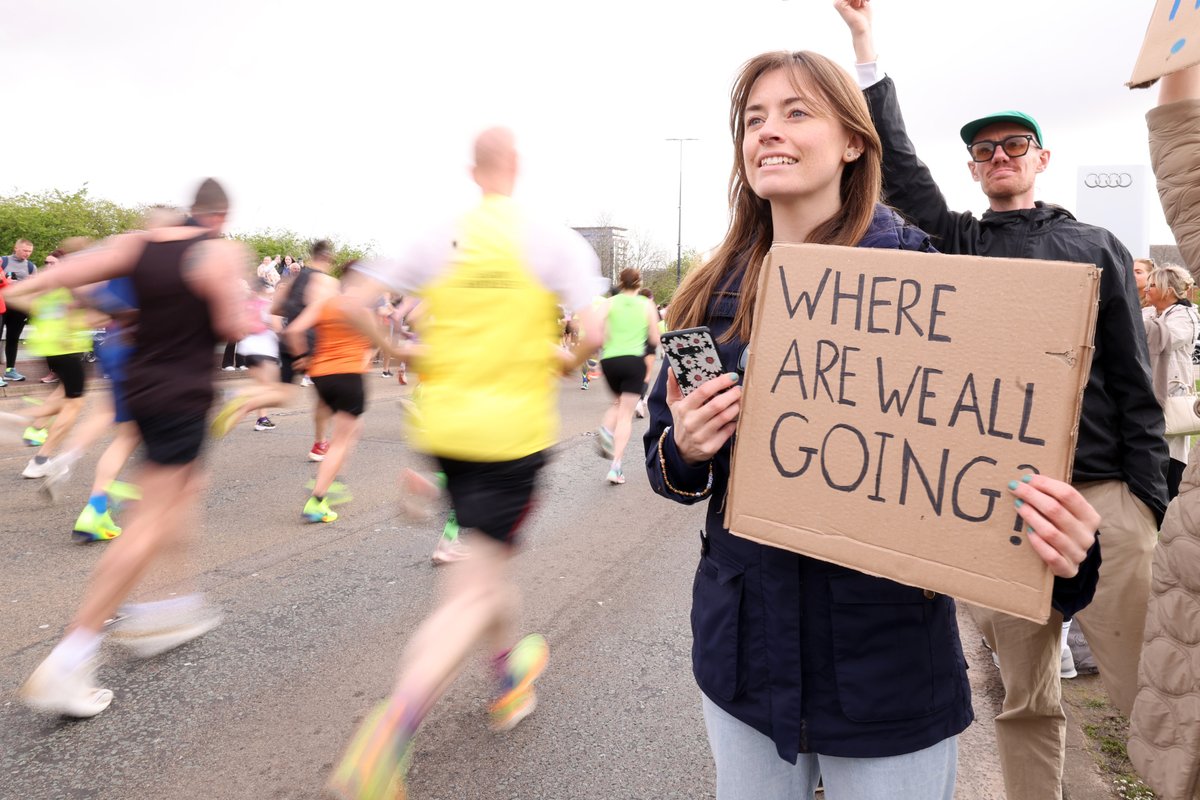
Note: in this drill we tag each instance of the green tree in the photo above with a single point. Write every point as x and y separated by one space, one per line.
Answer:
660 278
46 219
281 242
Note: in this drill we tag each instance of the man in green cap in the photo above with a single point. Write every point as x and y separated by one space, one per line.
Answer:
1120 456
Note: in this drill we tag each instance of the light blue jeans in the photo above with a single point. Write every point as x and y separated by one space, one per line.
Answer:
749 768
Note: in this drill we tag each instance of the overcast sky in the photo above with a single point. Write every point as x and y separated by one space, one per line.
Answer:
354 118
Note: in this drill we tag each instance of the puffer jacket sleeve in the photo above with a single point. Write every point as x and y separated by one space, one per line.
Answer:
1175 157
1164 732
908 184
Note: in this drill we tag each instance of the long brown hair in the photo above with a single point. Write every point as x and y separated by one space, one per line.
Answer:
831 92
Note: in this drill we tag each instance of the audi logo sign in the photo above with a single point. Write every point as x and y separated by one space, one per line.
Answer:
1108 180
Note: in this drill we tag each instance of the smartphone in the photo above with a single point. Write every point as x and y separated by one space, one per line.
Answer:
693 356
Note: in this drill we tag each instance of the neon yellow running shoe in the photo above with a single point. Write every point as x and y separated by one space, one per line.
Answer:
375 763
318 510
517 700
228 416
34 437
91 526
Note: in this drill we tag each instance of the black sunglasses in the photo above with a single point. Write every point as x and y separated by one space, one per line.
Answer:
1014 146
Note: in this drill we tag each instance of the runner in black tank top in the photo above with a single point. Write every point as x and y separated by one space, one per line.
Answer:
189 293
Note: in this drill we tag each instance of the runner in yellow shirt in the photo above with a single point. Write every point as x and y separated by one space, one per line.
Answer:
490 283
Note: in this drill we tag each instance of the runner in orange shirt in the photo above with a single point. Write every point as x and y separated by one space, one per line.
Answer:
347 335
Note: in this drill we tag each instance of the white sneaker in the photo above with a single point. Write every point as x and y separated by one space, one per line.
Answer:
69 694
147 633
447 552
36 470
640 409
228 369
1066 664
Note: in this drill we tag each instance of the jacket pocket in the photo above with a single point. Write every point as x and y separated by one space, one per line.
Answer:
716 611
883 648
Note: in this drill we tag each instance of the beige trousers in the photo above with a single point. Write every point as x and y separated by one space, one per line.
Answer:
1031 728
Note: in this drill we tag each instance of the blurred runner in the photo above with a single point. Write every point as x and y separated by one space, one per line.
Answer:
347 334
186 281
489 283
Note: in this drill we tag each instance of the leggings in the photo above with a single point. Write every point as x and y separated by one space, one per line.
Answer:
14 324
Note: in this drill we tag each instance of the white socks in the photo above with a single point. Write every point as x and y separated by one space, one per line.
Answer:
77 648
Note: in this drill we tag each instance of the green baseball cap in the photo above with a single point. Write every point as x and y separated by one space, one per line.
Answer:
1019 117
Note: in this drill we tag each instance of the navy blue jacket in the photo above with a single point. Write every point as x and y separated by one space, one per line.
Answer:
818 657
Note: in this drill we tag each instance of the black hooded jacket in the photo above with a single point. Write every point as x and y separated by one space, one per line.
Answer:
1121 423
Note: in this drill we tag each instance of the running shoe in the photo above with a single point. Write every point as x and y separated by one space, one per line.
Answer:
50 377
374 765
11 374
68 693
3 383
584 385
604 441
615 476
35 470
448 551
318 510
243 368
404 379
640 408
228 416
149 629
385 374
264 424
306 381
35 437
517 700
318 452
228 369
91 526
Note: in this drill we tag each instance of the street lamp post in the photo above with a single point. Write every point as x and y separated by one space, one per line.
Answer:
679 234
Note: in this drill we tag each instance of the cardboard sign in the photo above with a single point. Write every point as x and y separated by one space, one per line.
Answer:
1172 42
890 397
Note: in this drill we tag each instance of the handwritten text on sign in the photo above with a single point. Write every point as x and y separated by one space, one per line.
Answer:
890 397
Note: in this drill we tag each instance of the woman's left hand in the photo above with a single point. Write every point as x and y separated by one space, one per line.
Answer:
1060 524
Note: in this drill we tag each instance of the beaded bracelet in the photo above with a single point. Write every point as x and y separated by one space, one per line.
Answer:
662 464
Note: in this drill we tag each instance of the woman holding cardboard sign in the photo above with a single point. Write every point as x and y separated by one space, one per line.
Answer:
809 669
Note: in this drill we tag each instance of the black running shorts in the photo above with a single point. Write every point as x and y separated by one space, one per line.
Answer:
493 497
624 374
69 369
342 392
172 439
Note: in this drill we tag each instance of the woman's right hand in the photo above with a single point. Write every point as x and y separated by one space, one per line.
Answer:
704 420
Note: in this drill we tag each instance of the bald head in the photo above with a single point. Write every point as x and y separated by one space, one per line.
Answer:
495 167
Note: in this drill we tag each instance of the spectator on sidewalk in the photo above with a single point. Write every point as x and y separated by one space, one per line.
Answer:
1121 456
1166 714
16 267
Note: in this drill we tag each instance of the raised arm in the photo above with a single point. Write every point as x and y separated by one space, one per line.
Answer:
1175 156
908 184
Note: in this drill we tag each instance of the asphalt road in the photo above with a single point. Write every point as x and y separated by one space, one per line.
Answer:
316 616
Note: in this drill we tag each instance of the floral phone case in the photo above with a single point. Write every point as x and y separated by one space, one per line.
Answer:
693 356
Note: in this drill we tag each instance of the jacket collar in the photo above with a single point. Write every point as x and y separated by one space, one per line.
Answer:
1040 214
